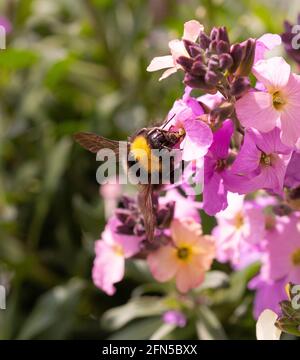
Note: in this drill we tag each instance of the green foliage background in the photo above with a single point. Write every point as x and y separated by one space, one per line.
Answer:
74 65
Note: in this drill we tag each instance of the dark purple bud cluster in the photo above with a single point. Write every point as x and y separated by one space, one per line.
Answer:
132 221
288 39
213 61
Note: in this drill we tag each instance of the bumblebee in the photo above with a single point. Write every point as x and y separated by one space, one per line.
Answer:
140 148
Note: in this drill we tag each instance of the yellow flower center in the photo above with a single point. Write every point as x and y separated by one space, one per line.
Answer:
265 159
278 100
118 250
239 220
296 257
183 253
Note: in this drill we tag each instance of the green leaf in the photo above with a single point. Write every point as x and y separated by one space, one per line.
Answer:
15 59
208 326
145 306
54 313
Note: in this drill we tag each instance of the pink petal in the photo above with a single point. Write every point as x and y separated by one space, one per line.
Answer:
255 109
192 30
290 125
108 267
162 263
214 195
265 43
248 158
161 62
189 276
274 73
177 49
198 139
130 244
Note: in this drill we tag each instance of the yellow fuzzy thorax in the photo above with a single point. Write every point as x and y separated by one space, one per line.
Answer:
141 152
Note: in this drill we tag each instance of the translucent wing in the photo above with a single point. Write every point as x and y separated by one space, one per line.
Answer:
146 207
94 143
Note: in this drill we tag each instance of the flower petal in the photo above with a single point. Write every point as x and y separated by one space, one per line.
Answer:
255 109
290 125
192 30
265 43
163 263
108 267
161 62
265 326
198 139
274 73
167 73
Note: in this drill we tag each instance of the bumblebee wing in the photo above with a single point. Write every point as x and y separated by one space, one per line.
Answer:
94 143
146 207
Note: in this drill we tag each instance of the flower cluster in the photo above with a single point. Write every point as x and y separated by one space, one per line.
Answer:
246 140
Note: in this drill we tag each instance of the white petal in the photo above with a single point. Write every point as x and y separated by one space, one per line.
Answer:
168 73
265 326
161 62
192 30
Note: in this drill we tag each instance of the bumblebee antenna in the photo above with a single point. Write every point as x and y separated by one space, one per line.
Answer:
167 122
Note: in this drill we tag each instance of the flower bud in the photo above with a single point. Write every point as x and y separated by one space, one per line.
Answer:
222 47
223 34
185 62
236 53
211 78
248 58
204 41
240 86
225 61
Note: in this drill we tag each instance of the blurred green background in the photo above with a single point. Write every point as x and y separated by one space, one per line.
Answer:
81 65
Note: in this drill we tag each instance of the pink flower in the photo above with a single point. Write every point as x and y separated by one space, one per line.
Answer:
283 250
278 106
111 252
175 317
215 191
264 44
261 163
292 176
240 230
186 259
198 135
268 294
192 31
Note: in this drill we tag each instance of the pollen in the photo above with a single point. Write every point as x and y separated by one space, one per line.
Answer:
278 100
265 159
296 257
183 253
239 220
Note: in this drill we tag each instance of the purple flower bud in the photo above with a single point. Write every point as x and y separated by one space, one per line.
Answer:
198 69
248 58
185 62
175 317
240 86
213 64
213 46
222 47
192 48
223 34
204 41
225 61
211 78
236 53
214 33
